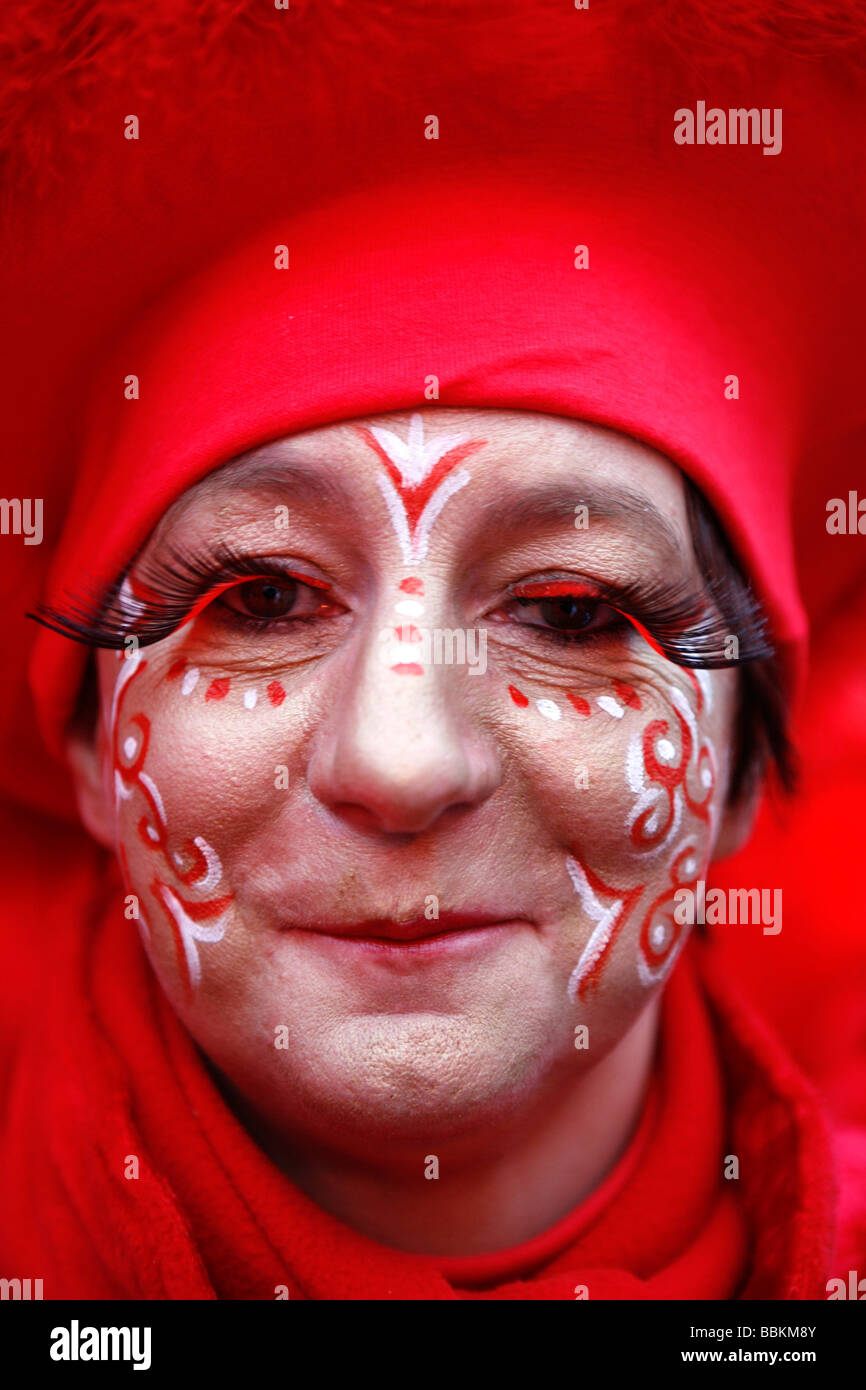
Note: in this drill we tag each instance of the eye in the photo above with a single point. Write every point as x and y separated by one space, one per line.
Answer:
570 614
567 613
273 598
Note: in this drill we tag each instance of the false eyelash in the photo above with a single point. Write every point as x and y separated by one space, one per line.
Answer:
160 598
690 627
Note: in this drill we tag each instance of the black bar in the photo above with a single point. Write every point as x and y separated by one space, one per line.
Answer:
240 1339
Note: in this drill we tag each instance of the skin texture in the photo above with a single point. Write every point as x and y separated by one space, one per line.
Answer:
531 791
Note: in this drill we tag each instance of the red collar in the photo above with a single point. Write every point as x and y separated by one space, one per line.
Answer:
109 1073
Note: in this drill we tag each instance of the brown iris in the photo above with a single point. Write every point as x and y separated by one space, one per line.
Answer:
264 598
566 612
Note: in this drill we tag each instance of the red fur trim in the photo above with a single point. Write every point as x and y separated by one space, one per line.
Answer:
70 66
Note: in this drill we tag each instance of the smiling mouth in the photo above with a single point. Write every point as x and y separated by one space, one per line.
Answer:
414 931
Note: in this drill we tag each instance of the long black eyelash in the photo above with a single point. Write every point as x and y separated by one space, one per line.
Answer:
108 617
692 627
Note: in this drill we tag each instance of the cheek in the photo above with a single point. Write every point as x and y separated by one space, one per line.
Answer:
193 770
633 794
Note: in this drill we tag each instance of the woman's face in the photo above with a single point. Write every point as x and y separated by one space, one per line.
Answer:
396 830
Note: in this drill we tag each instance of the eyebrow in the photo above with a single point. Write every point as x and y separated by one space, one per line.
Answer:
556 502
279 470
276 472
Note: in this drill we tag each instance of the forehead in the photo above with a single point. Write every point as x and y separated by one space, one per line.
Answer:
525 467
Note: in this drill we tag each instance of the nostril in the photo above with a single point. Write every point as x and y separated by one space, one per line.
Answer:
400 824
359 817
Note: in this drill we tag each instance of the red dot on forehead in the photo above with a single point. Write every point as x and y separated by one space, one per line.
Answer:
518 696
412 585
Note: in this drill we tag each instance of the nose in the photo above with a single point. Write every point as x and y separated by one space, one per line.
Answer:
399 750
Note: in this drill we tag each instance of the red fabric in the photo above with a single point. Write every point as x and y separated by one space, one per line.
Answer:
809 981
697 261
105 1071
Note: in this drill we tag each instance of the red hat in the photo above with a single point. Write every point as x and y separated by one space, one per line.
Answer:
408 259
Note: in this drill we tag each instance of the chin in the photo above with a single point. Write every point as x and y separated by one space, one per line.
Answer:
414 1078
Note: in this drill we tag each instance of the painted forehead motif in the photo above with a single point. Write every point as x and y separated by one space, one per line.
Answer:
420 476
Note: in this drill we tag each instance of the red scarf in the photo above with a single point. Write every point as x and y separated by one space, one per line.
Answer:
107 1074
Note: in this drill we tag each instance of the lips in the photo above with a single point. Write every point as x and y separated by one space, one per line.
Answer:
413 929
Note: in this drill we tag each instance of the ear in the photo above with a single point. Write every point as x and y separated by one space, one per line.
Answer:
85 756
738 821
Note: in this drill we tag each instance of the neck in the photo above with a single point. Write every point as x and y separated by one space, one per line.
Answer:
499 1187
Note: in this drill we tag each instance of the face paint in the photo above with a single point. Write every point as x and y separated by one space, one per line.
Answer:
400 644
626 694
409 608
218 688
665 793
660 932
662 785
610 706
400 651
609 919
577 702
196 865
419 479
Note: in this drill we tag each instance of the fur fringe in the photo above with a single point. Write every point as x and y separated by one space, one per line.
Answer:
334 62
